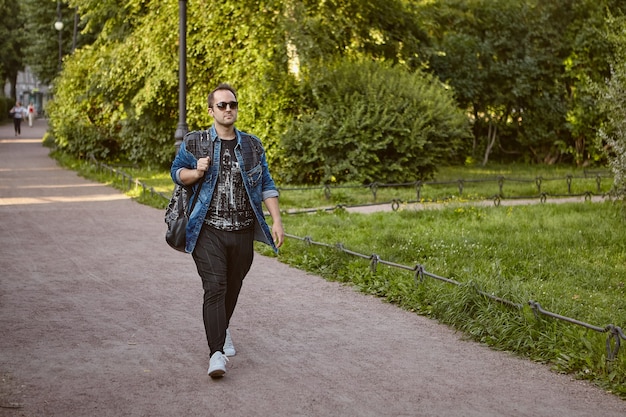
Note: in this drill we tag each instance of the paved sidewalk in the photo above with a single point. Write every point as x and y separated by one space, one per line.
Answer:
99 317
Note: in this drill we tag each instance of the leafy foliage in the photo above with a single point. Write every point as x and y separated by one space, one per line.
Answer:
118 98
12 35
613 102
119 95
371 122
41 39
383 30
129 96
521 69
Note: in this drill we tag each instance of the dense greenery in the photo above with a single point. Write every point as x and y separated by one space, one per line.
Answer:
6 103
522 69
525 74
41 38
613 102
115 91
13 39
369 121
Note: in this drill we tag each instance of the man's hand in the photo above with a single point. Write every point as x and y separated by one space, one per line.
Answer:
278 233
189 176
202 166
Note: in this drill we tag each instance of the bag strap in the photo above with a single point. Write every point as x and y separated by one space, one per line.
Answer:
204 140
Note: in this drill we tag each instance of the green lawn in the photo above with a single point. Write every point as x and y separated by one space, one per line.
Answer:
570 258
457 184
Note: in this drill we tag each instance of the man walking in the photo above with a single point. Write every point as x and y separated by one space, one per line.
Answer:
233 180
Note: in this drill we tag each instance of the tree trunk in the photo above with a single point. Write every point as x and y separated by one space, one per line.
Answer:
492 134
13 82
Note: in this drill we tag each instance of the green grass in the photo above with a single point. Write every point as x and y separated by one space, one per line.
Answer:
154 182
458 184
571 258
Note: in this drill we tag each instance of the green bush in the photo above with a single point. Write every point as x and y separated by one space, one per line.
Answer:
372 122
116 100
5 105
612 101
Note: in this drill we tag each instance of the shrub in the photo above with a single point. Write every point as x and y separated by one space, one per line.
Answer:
5 105
369 122
612 101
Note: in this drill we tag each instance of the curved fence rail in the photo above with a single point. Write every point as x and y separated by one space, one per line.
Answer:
497 198
127 181
614 333
461 183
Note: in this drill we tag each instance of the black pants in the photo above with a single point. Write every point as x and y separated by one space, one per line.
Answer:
17 124
223 259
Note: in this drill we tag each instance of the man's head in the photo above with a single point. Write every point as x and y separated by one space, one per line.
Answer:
221 87
223 105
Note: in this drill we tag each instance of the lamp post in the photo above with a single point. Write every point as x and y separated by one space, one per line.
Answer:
58 25
75 29
182 127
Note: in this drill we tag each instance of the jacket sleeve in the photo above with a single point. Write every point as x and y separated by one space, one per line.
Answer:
268 186
184 159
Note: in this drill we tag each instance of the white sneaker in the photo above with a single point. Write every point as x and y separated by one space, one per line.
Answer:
217 365
229 348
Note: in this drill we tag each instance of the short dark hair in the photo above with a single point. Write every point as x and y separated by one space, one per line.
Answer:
222 86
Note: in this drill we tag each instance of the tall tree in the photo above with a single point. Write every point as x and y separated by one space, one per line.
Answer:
587 65
523 70
503 60
13 38
119 96
41 50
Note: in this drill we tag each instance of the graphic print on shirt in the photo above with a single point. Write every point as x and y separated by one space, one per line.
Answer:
230 207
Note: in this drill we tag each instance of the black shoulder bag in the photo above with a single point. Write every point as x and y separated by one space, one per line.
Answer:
176 213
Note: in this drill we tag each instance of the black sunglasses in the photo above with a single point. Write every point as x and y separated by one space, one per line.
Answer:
223 104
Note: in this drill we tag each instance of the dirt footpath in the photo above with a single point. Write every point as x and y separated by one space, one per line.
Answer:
99 317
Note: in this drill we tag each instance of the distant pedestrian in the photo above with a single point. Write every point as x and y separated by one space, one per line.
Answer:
31 114
18 112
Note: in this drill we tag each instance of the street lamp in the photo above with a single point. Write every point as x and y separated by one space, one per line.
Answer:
75 29
182 128
58 25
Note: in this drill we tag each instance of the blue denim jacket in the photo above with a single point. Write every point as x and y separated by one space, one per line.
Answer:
256 178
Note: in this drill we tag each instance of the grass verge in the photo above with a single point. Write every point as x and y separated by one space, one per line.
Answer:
571 258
